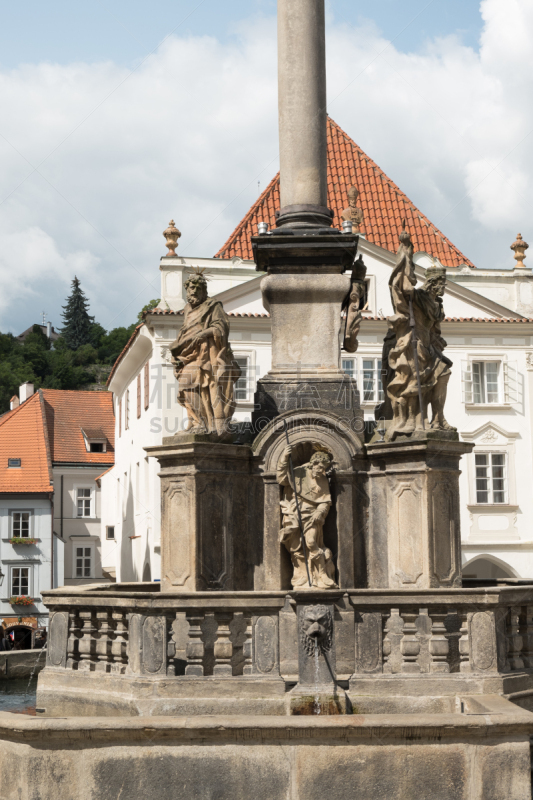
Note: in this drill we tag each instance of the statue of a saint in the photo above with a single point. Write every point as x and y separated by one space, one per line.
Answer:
417 318
353 213
353 306
314 498
203 362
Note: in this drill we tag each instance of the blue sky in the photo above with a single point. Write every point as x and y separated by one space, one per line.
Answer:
125 31
117 116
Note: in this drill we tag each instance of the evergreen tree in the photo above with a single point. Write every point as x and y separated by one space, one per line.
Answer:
78 323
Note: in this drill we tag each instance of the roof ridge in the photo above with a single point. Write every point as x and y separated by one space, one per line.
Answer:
46 437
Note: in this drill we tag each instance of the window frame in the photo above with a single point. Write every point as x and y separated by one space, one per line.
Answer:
250 382
13 567
92 514
358 373
147 385
139 399
84 545
107 536
31 513
127 411
507 373
490 479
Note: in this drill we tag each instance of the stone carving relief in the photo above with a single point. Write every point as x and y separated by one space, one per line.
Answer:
316 627
529 361
265 638
489 436
58 636
204 363
413 359
306 500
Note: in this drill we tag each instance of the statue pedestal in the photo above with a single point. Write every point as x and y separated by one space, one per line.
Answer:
414 538
204 514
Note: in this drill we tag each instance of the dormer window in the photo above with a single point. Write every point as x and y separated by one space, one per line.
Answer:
14 463
95 440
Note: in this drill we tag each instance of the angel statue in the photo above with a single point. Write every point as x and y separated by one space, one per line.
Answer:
203 361
418 371
311 491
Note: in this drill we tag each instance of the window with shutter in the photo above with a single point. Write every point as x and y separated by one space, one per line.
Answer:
146 385
127 411
242 385
138 395
120 418
511 384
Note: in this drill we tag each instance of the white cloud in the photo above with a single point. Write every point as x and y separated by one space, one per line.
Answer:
192 130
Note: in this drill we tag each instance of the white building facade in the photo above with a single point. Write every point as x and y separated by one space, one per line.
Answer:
489 330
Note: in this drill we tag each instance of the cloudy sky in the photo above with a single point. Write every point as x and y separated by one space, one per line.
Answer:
120 115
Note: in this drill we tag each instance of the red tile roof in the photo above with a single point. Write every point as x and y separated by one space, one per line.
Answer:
67 413
23 435
384 206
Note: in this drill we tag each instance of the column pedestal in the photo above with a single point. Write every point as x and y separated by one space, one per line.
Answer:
414 527
205 515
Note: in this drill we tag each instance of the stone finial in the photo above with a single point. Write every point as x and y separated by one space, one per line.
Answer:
172 234
519 248
353 214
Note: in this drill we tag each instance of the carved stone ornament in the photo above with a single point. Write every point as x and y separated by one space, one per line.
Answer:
519 247
352 306
353 213
310 495
166 355
529 361
316 628
204 363
171 234
417 369
489 436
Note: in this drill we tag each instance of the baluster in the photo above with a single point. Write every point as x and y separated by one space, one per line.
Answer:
247 646
527 635
194 650
464 645
422 626
410 646
73 640
393 631
119 643
514 638
223 649
87 643
103 641
439 646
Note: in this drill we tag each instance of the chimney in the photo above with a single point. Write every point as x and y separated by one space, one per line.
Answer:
14 402
48 330
25 391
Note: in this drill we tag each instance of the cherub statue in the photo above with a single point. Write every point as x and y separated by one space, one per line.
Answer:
203 361
314 498
353 213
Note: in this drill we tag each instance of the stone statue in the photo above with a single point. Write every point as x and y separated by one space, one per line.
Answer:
203 362
314 499
353 213
418 310
352 306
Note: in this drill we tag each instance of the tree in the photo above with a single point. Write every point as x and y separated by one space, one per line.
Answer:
78 323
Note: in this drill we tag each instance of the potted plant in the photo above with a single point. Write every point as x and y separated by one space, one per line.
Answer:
22 540
21 600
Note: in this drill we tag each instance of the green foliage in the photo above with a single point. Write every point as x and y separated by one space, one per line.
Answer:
78 323
60 365
147 307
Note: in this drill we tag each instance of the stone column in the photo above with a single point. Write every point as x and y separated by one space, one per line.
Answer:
414 527
302 112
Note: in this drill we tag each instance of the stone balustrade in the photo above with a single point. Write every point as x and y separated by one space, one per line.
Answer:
240 635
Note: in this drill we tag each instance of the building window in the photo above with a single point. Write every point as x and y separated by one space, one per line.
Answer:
490 382
21 524
491 478
83 561
369 378
120 418
127 411
242 386
84 502
110 532
96 447
138 395
13 463
20 581
146 385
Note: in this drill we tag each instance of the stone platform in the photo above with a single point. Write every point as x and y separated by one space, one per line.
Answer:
480 754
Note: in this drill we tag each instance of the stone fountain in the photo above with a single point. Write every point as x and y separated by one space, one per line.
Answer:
310 635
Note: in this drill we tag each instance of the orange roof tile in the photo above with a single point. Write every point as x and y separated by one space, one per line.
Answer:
383 203
67 413
23 435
